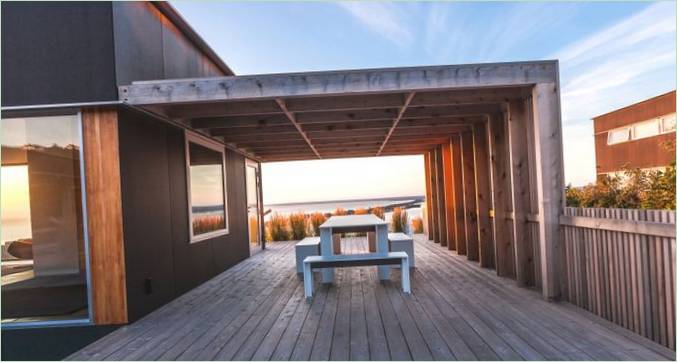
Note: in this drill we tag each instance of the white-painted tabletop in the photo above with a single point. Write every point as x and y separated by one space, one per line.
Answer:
353 221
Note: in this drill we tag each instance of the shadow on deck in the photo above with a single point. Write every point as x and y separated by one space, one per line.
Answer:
457 310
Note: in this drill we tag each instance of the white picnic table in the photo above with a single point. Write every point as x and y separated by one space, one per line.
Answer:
354 223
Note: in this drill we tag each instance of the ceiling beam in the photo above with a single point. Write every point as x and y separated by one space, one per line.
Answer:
410 96
292 119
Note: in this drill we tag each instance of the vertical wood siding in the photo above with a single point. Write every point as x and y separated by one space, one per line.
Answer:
625 277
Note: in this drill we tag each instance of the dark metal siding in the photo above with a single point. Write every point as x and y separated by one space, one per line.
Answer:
155 207
57 52
148 46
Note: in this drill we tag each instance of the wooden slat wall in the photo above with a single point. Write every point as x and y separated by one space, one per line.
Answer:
441 207
432 216
104 215
428 195
627 278
518 119
459 197
449 196
484 203
502 190
470 195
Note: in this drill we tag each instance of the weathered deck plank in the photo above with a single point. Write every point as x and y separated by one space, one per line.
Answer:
457 310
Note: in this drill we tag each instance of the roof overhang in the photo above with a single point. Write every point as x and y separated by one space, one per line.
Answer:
351 113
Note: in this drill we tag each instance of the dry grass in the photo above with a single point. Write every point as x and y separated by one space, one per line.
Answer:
361 211
417 225
253 228
340 212
317 219
203 224
400 220
277 228
297 223
378 211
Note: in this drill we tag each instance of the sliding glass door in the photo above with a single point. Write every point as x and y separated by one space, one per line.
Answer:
44 249
253 204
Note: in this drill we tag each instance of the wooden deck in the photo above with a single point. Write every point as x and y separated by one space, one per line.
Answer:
457 311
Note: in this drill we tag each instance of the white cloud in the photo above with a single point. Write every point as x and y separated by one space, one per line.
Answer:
383 18
622 64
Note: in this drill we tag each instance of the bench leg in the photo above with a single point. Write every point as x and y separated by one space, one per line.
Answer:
406 286
307 280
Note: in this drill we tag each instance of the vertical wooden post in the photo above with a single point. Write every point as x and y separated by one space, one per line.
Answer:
449 195
470 195
441 207
459 207
433 198
428 195
104 215
502 189
484 205
262 213
519 156
550 183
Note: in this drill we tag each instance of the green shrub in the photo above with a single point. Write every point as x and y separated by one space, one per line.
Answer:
635 189
297 223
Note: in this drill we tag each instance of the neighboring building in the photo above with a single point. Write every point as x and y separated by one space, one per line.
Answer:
641 135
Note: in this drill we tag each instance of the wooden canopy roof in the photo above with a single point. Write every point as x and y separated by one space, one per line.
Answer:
353 113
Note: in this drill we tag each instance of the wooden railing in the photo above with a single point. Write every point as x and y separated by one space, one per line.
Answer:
619 264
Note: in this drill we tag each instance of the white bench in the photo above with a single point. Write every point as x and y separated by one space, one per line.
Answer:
402 242
307 247
337 261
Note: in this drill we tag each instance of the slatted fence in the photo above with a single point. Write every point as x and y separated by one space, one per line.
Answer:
619 264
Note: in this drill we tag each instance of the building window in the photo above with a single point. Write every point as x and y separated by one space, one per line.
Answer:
618 136
206 175
668 123
646 129
44 253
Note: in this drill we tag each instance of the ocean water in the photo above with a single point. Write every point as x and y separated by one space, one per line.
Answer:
330 206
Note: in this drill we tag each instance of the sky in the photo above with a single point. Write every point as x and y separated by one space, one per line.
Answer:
611 54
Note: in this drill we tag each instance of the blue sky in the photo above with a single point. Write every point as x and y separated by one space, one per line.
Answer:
611 53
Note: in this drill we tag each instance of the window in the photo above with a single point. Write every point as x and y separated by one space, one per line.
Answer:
44 254
646 129
207 211
618 135
668 123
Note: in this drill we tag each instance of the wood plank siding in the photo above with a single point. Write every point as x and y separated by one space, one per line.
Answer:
256 310
104 215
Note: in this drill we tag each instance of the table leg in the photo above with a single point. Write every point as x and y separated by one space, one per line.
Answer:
382 248
326 249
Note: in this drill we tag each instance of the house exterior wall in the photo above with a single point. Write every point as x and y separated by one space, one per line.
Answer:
650 152
155 216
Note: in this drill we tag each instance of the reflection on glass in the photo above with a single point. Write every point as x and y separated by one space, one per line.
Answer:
252 205
43 253
206 190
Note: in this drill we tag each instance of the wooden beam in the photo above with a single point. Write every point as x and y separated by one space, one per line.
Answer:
469 96
449 202
345 103
649 228
519 117
454 110
396 121
292 119
484 203
502 190
441 207
104 215
550 183
470 196
459 195
347 82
